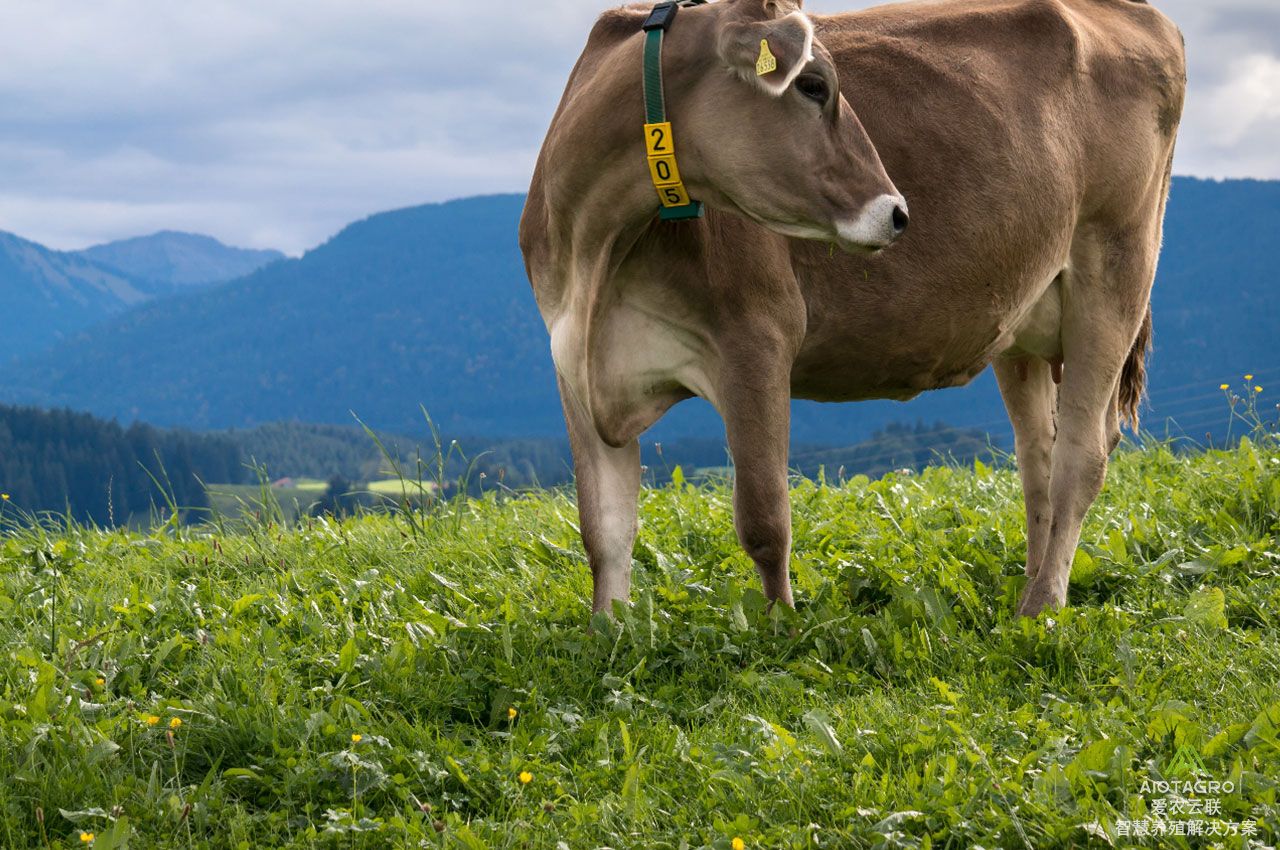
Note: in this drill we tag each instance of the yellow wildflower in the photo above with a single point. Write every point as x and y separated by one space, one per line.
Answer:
1248 377
738 843
4 496
175 722
511 713
1257 389
86 837
100 682
1225 387
355 739
526 777
152 720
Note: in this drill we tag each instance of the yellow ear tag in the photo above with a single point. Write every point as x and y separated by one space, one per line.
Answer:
767 61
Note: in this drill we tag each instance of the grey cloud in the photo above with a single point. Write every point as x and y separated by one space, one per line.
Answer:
273 124
312 114
1256 25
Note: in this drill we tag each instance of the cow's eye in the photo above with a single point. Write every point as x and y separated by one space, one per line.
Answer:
813 87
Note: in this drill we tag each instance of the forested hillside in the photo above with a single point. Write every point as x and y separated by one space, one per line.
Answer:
429 306
77 466
418 307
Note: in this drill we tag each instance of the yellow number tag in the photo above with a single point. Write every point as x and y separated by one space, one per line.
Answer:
661 149
663 170
767 61
673 195
657 139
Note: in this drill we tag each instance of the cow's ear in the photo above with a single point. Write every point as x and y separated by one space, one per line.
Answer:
769 54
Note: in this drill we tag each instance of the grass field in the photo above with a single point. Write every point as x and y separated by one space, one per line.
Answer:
235 501
431 681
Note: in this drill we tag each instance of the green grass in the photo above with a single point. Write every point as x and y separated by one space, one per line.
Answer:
235 501
238 501
900 705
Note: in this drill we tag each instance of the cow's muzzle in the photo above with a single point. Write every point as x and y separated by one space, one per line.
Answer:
880 223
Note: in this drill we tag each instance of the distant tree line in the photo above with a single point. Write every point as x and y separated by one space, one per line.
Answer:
893 447
92 470
483 463
302 450
97 471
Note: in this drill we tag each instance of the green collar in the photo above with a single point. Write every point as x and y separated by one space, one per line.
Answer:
659 141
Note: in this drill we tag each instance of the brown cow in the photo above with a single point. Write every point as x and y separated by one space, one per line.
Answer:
1033 141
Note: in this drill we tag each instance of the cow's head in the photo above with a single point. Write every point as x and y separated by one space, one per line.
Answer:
783 147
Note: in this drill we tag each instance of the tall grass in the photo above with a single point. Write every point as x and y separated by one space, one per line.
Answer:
390 680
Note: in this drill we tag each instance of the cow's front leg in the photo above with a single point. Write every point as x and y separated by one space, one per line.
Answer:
1029 395
608 480
757 415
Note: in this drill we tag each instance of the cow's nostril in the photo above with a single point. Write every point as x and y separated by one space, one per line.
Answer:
900 219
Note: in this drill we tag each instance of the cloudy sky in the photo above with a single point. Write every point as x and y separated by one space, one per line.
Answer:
273 124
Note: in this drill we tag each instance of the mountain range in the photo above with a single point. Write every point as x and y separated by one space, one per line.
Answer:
52 295
184 259
428 308
423 307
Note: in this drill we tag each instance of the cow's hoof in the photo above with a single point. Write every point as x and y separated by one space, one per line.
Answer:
1037 596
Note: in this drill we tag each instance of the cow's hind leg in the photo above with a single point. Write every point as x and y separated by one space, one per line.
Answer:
608 481
1107 289
1026 384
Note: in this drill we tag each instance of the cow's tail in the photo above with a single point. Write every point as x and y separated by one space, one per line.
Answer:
1133 377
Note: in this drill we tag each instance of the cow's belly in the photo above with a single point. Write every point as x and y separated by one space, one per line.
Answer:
849 374
883 351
